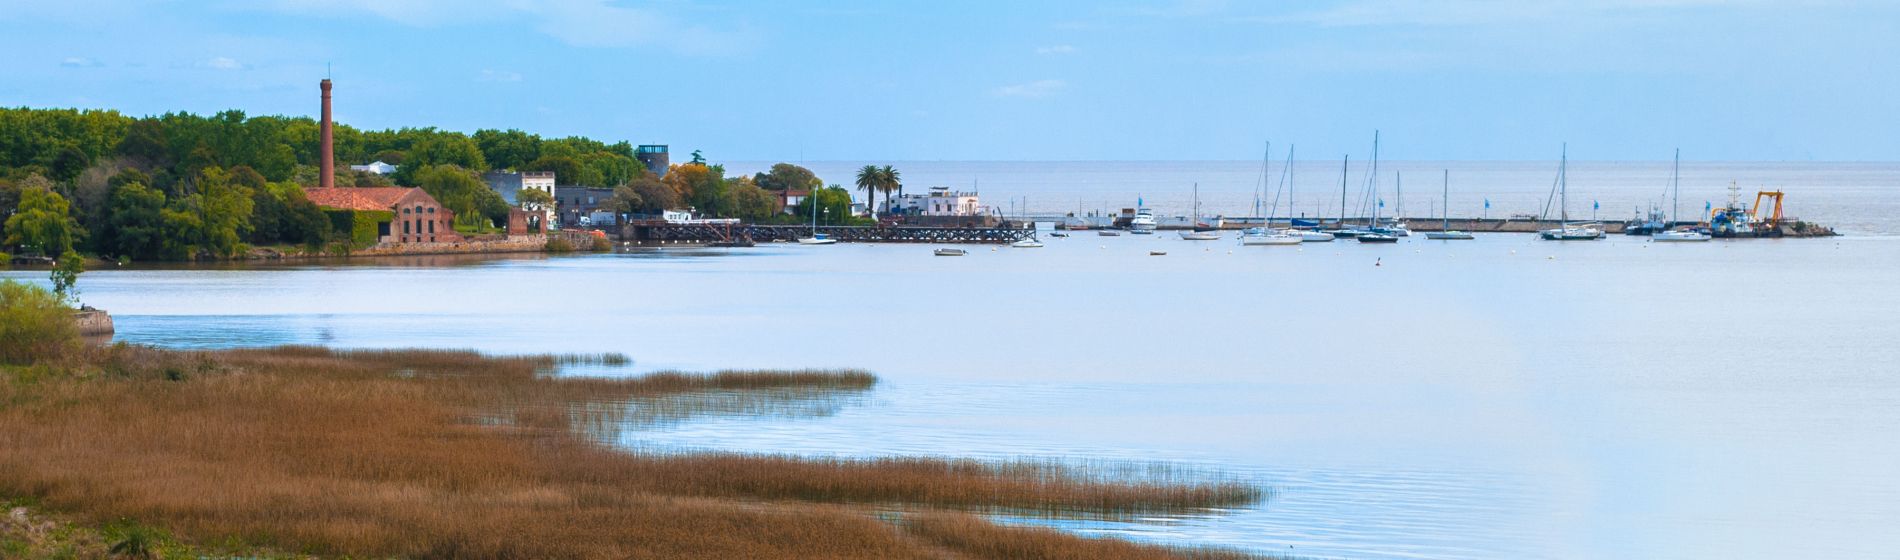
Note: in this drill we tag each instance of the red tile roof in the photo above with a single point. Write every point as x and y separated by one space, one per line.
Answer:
358 198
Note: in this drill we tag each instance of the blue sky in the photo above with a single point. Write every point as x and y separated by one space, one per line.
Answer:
904 80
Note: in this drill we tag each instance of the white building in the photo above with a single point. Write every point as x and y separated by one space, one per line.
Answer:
509 183
377 167
940 201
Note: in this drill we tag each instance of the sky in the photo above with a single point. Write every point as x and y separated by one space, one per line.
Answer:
1011 80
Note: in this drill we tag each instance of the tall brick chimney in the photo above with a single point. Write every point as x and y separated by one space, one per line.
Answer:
327 153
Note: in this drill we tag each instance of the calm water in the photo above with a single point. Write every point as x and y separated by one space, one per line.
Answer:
1498 398
1852 197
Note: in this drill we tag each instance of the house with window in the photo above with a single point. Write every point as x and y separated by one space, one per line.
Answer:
510 183
387 214
578 202
940 201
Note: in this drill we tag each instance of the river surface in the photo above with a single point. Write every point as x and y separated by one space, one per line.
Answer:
1498 398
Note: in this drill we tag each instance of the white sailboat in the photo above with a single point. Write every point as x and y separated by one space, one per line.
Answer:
1340 231
1266 235
1197 233
816 238
1444 229
1567 231
1681 233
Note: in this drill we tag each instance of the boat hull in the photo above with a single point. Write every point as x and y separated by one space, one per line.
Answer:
1449 235
1268 240
1679 237
1200 235
1378 238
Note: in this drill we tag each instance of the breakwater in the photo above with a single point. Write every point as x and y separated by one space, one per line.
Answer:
662 233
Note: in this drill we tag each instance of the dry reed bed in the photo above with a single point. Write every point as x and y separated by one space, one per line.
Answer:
457 455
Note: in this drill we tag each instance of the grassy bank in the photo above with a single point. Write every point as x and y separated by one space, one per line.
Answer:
458 455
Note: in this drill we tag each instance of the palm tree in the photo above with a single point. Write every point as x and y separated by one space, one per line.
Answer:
889 180
870 179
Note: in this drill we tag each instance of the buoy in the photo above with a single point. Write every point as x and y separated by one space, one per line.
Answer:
1376 262
1551 258
1230 252
1514 251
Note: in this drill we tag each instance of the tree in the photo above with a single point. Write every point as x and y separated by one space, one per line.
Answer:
441 149
65 276
834 205
889 180
654 195
749 202
43 223
870 180
785 176
135 222
625 200
215 219
35 325
567 170
701 186
457 189
507 149
533 199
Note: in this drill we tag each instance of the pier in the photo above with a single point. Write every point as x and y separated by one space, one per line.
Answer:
666 233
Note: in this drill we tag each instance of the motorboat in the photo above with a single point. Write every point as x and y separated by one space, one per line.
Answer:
1030 243
1143 223
1157 253
1572 232
1108 233
949 252
1200 235
1378 238
1448 235
1058 234
1679 235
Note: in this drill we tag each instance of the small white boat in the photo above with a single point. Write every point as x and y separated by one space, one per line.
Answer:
1571 233
1270 238
1200 235
1143 223
1030 243
1454 234
1058 234
1310 236
1679 236
817 239
948 252
1108 233
1157 253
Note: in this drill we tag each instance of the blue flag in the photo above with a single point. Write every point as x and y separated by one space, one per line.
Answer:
1487 204
1137 202
1594 205
1382 203
1707 206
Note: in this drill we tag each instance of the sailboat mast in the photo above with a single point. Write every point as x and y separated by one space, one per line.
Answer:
1675 183
1444 203
1345 166
1289 184
1563 185
1375 182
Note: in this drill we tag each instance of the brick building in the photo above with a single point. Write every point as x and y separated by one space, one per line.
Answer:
415 217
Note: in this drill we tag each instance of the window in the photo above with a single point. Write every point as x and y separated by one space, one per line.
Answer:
431 209
405 227
405 210
432 229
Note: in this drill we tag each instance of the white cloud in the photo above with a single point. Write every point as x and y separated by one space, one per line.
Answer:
1055 49
1031 90
223 63
499 76
80 62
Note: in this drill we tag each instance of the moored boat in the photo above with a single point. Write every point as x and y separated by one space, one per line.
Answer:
949 252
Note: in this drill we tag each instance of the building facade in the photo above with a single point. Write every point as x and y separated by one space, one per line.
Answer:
416 217
578 202
508 184
940 201
654 157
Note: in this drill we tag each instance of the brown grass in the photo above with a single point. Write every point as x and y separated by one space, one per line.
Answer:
456 455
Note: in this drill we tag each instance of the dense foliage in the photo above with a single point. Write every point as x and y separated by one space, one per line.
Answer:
34 324
179 185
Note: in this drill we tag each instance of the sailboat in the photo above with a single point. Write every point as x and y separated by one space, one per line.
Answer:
1311 232
1027 242
1682 233
1398 227
1340 230
1567 231
816 238
1266 235
1445 231
1200 232
1373 233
